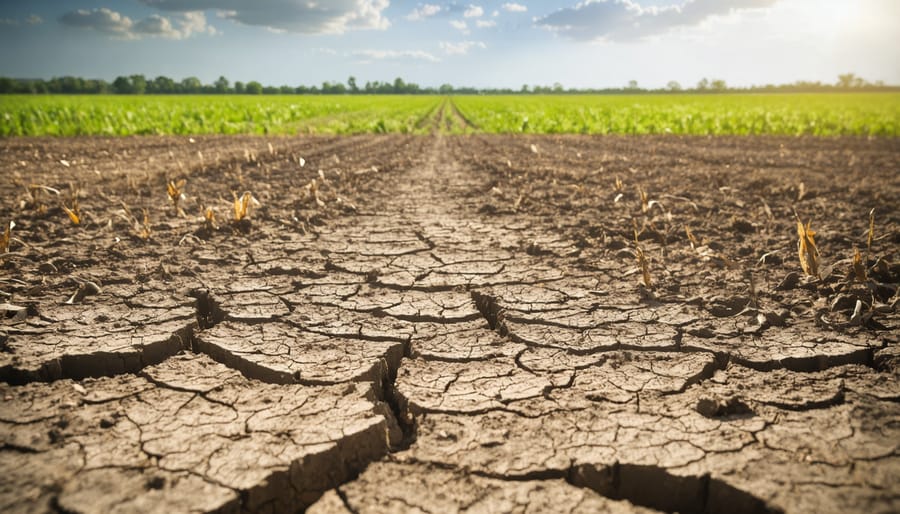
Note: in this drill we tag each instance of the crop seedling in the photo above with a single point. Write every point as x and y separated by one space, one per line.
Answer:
242 205
7 237
176 195
806 248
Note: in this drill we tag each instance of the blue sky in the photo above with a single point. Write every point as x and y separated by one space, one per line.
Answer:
588 43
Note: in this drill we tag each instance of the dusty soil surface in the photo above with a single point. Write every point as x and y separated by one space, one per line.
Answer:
450 324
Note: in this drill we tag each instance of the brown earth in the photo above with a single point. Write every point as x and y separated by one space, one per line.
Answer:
450 324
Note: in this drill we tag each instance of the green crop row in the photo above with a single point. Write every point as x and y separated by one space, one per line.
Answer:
783 114
130 115
875 114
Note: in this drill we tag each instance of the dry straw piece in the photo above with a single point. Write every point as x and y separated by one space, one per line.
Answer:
175 193
806 248
242 205
7 237
74 212
871 232
858 268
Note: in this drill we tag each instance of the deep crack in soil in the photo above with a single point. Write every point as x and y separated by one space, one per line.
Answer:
449 324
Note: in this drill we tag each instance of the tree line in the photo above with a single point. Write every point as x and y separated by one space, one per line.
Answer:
162 85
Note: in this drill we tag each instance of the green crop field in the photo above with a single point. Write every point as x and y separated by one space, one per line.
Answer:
875 114
783 114
114 115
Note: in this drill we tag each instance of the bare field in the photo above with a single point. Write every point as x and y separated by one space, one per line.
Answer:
450 324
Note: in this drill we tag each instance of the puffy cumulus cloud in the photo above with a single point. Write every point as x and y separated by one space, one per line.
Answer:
120 26
423 11
461 47
513 7
473 11
304 17
460 25
102 20
483 24
623 20
381 55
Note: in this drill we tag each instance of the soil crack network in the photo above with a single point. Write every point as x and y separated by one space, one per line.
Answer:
449 323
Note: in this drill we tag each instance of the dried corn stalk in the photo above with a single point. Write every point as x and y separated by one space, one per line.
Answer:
806 247
175 193
858 268
209 219
74 212
645 204
645 266
871 232
7 237
143 230
242 205
691 238
312 189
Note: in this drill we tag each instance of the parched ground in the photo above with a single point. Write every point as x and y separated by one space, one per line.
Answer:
450 324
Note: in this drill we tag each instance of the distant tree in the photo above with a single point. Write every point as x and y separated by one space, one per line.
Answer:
287 90
399 86
191 85
524 89
445 89
673 85
221 85
122 85
138 84
239 87
162 85
846 80
632 85
351 83
253 88
718 85
703 85
557 87
7 86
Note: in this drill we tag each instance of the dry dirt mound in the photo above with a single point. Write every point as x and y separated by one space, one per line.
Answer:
450 324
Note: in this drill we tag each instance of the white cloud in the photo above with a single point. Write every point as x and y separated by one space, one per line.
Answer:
514 7
32 19
483 24
381 55
474 11
460 48
305 17
120 26
460 25
423 11
623 20
102 20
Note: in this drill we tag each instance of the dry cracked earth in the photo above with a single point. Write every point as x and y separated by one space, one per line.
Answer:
450 324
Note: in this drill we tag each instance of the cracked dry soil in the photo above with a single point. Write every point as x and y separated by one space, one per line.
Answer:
450 324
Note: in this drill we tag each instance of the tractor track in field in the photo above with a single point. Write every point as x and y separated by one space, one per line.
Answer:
450 323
